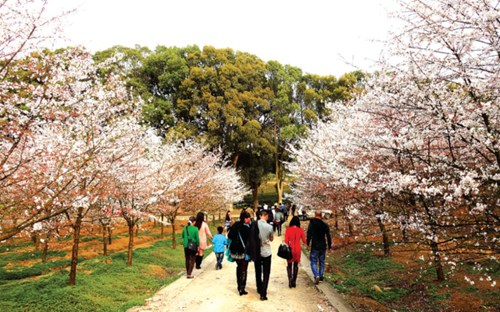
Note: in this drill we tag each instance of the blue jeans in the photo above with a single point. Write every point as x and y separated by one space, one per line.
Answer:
317 256
219 256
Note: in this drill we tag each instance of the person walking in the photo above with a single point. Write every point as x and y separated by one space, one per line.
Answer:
239 234
204 232
278 220
220 242
263 263
227 221
190 233
284 210
318 240
294 234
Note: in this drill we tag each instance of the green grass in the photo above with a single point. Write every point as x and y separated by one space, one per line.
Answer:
103 283
356 272
364 271
21 272
9 247
32 255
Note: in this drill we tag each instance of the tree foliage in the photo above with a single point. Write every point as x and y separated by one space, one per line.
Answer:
419 150
234 103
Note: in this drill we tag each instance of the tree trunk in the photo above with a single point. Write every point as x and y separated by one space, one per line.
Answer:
235 160
174 239
279 177
36 241
385 237
77 226
45 249
437 261
350 227
279 189
104 240
255 197
162 227
130 242
404 234
109 234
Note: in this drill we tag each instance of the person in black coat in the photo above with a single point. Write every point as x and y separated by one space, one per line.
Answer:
239 234
318 241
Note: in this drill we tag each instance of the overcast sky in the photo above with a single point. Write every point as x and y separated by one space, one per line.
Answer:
318 36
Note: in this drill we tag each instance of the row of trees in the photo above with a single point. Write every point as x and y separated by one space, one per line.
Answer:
72 146
232 102
418 152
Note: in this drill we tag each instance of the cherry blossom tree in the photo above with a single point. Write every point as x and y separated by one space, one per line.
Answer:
192 179
423 140
131 188
76 121
25 25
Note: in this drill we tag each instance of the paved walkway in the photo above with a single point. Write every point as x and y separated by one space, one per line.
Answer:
215 290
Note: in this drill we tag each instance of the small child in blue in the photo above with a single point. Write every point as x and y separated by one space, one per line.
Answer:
220 242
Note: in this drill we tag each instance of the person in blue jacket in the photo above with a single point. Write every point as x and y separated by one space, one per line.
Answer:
220 242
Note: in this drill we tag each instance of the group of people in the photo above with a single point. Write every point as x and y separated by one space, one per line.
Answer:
250 240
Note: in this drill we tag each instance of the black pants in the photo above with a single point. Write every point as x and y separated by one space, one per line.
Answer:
262 272
241 273
190 257
278 228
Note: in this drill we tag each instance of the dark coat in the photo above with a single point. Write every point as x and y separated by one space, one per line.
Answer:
318 233
254 243
237 229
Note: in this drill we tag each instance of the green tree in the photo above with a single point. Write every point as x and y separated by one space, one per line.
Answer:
215 96
232 102
284 116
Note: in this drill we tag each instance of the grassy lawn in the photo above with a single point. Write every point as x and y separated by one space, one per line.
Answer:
103 283
377 283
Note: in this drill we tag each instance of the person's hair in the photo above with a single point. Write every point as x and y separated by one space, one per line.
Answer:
263 213
243 215
295 221
200 217
317 213
220 229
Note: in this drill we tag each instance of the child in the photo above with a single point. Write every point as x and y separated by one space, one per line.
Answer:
219 242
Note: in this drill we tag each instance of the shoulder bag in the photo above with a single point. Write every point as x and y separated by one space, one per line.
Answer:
191 245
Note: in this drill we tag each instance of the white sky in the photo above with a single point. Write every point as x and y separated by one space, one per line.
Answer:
318 36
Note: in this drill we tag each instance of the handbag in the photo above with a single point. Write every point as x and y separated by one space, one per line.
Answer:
285 252
191 245
228 251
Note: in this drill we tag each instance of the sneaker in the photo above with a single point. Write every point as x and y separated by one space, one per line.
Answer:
190 276
321 278
316 280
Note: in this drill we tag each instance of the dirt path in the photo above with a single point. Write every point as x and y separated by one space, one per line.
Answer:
215 290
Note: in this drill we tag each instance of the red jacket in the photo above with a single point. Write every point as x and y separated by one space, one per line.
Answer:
293 236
